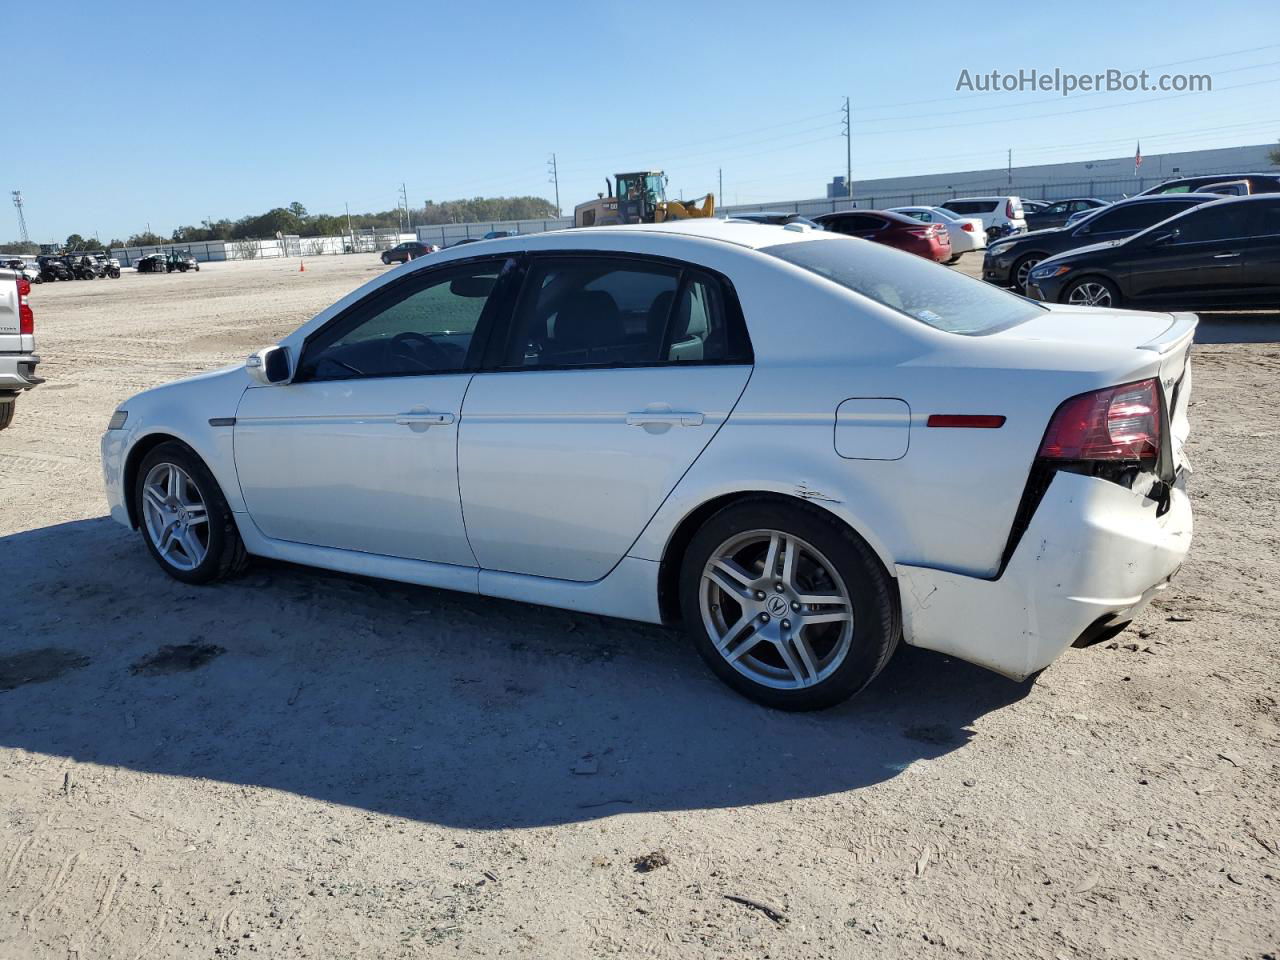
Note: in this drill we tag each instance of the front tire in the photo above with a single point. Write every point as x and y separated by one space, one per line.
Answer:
1022 271
1091 292
7 410
184 518
786 605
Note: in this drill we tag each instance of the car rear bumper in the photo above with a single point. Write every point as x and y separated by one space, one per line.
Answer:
18 371
1093 556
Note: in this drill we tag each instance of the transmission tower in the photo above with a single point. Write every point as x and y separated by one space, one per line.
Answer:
22 220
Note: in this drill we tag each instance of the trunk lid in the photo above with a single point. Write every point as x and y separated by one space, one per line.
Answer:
1092 326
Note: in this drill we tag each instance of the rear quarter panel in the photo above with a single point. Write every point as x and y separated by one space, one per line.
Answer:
949 502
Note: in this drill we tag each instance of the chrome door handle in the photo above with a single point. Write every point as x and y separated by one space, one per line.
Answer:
648 418
1224 256
429 419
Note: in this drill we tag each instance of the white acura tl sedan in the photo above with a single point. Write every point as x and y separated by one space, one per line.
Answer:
801 446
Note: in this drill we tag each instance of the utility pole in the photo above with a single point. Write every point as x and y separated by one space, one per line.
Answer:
347 206
720 174
1009 166
555 178
848 151
22 220
408 214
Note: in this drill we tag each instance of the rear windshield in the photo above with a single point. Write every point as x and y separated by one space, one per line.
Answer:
924 291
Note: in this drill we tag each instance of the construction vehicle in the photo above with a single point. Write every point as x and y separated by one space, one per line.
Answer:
640 198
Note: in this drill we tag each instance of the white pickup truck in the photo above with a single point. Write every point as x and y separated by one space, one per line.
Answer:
18 359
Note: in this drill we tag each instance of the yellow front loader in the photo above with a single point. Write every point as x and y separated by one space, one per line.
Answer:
640 198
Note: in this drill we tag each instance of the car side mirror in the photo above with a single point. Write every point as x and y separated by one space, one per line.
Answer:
269 366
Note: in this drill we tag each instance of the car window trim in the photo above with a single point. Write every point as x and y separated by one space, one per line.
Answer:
500 339
390 294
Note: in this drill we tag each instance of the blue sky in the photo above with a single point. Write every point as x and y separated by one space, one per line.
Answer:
174 113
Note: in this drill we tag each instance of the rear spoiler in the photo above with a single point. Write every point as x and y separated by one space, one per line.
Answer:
1175 336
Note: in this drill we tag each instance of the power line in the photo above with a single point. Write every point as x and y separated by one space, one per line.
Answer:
1063 113
1029 103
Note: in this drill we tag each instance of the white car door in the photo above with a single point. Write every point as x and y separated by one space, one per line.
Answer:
359 450
614 375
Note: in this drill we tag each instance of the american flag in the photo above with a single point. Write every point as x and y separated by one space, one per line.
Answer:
1137 159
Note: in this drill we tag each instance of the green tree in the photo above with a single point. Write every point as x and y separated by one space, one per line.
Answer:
76 242
298 210
146 239
17 246
1274 157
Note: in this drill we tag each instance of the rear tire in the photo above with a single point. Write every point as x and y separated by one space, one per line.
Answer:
758 632
172 491
7 410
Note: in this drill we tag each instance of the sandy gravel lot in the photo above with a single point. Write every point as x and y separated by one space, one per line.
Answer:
354 768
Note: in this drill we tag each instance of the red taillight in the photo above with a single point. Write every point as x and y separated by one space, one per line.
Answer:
967 227
1008 209
26 318
920 231
1117 423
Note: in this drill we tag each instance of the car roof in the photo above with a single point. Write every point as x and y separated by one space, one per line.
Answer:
887 214
742 233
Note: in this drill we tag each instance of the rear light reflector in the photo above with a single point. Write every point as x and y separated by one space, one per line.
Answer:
980 421
1115 423
26 317
1008 209
967 227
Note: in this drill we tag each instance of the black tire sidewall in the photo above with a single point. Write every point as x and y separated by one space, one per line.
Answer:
871 589
223 535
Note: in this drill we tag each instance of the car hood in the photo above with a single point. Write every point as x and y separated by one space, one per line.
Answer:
1084 251
1018 239
227 382
1091 326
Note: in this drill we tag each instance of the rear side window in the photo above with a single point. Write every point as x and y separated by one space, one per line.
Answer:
971 206
1214 223
1137 216
933 295
587 312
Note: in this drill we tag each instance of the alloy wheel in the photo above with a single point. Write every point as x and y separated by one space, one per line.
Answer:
175 516
1024 271
1090 294
776 609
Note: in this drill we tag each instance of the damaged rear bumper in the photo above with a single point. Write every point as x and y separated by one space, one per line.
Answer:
1093 556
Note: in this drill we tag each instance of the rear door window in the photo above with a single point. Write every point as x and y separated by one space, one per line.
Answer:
615 311
1216 223
1133 217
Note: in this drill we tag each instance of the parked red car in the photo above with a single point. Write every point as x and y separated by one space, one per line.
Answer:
892 229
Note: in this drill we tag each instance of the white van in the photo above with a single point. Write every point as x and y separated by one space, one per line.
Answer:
1001 216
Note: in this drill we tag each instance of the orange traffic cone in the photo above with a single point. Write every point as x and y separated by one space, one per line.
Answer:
302 267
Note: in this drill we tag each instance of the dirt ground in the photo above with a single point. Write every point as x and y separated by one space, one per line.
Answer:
301 764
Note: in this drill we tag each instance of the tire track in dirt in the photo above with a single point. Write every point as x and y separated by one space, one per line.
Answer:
51 891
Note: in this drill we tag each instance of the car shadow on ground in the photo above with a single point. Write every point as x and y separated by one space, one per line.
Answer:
420 703
1256 327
